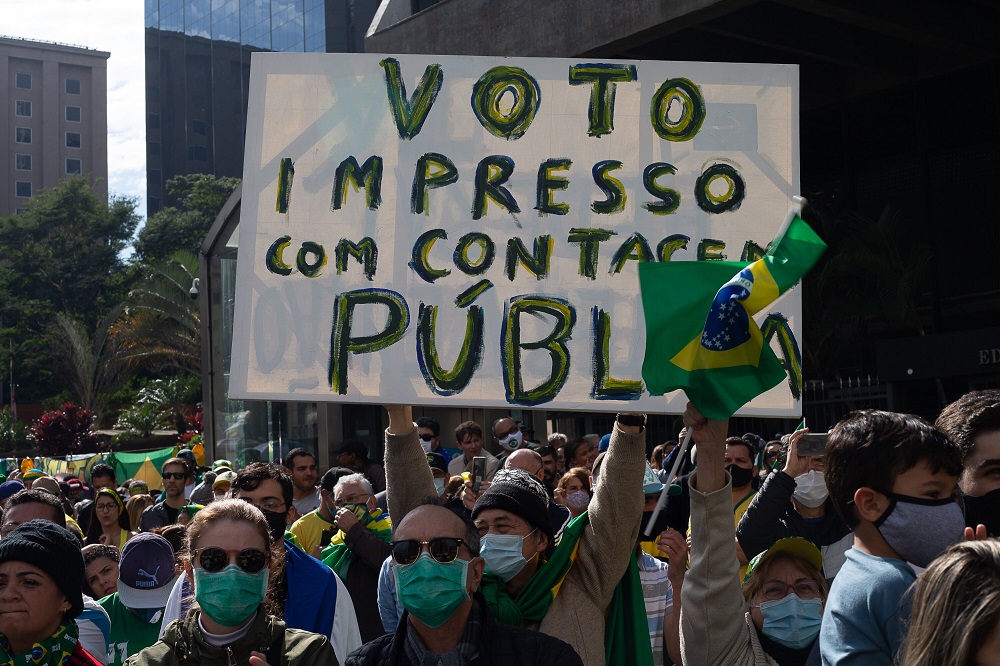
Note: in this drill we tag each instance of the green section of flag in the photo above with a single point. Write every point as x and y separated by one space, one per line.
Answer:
680 300
793 254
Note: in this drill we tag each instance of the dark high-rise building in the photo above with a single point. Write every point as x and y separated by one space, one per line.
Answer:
198 74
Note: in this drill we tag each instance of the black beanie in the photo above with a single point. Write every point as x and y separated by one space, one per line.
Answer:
52 549
520 493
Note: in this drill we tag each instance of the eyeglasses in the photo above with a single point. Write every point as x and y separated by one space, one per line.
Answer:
266 505
771 455
173 475
776 589
213 559
427 437
442 549
105 507
352 499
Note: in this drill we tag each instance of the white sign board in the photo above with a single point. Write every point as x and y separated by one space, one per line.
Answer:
466 231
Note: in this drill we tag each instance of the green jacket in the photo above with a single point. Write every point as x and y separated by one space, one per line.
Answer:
183 643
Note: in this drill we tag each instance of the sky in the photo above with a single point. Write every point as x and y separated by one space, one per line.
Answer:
116 26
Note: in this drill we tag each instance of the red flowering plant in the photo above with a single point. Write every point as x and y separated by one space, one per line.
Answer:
64 431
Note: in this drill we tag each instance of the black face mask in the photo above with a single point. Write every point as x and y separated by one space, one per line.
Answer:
741 475
276 522
984 510
658 526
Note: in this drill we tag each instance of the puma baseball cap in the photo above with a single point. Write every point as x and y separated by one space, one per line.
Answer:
146 571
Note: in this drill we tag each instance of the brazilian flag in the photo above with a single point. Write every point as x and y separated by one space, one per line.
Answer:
700 332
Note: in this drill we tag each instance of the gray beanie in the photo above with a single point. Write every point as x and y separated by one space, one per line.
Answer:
520 493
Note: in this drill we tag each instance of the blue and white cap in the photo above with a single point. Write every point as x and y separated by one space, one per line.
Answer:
146 571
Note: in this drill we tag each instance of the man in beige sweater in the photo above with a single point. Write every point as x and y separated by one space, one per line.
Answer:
577 614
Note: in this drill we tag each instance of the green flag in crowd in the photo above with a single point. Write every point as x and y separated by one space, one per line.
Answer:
700 332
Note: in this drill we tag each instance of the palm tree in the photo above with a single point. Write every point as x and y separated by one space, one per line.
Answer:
95 367
160 327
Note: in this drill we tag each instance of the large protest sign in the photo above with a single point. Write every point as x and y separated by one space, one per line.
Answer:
466 231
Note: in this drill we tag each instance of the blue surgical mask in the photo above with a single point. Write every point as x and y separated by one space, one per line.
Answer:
439 486
504 554
793 621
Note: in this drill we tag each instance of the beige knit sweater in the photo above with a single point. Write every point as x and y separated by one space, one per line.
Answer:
577 614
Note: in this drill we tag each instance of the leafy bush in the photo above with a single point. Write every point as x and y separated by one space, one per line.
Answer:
13 433
64 431
140 420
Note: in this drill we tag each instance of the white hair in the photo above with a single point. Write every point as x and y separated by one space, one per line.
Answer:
359 479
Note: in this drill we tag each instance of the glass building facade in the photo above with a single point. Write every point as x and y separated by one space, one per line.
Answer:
198 74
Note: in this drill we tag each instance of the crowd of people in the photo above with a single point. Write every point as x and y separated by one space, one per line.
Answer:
878 550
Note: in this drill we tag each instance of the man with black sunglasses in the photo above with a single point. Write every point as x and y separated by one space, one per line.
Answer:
437 569
603 544
429 432
175 473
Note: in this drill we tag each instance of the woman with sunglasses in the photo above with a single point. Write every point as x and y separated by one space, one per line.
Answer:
110 523
774 616
230 562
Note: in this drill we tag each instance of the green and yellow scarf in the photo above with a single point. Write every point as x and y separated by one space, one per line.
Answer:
626 635
52 651
338 556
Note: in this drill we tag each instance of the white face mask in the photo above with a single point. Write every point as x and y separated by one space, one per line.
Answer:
810 489
512 442
426 446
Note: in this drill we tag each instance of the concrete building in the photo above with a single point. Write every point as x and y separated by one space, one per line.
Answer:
54 118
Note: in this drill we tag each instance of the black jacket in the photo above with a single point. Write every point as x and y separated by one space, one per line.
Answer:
501 644
772 516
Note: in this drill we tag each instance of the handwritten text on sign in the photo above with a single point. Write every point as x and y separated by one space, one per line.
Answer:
430 229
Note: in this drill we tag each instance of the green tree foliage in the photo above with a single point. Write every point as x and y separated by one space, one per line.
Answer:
61 255
95 368
200 197
160 327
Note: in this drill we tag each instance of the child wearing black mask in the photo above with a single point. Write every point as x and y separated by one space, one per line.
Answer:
893 479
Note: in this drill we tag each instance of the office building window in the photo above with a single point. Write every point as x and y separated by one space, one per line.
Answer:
198 153
73 114
23 81
72 86
199 127
72 139
154 176
18 211
153 148
22 189
74 166
22 135
22 108
22 162
153 121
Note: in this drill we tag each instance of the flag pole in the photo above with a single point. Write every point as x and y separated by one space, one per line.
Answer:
794 210
666 486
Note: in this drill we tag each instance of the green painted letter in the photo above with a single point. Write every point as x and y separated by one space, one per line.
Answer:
507 121
341 340
411 114
604 76
554 343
